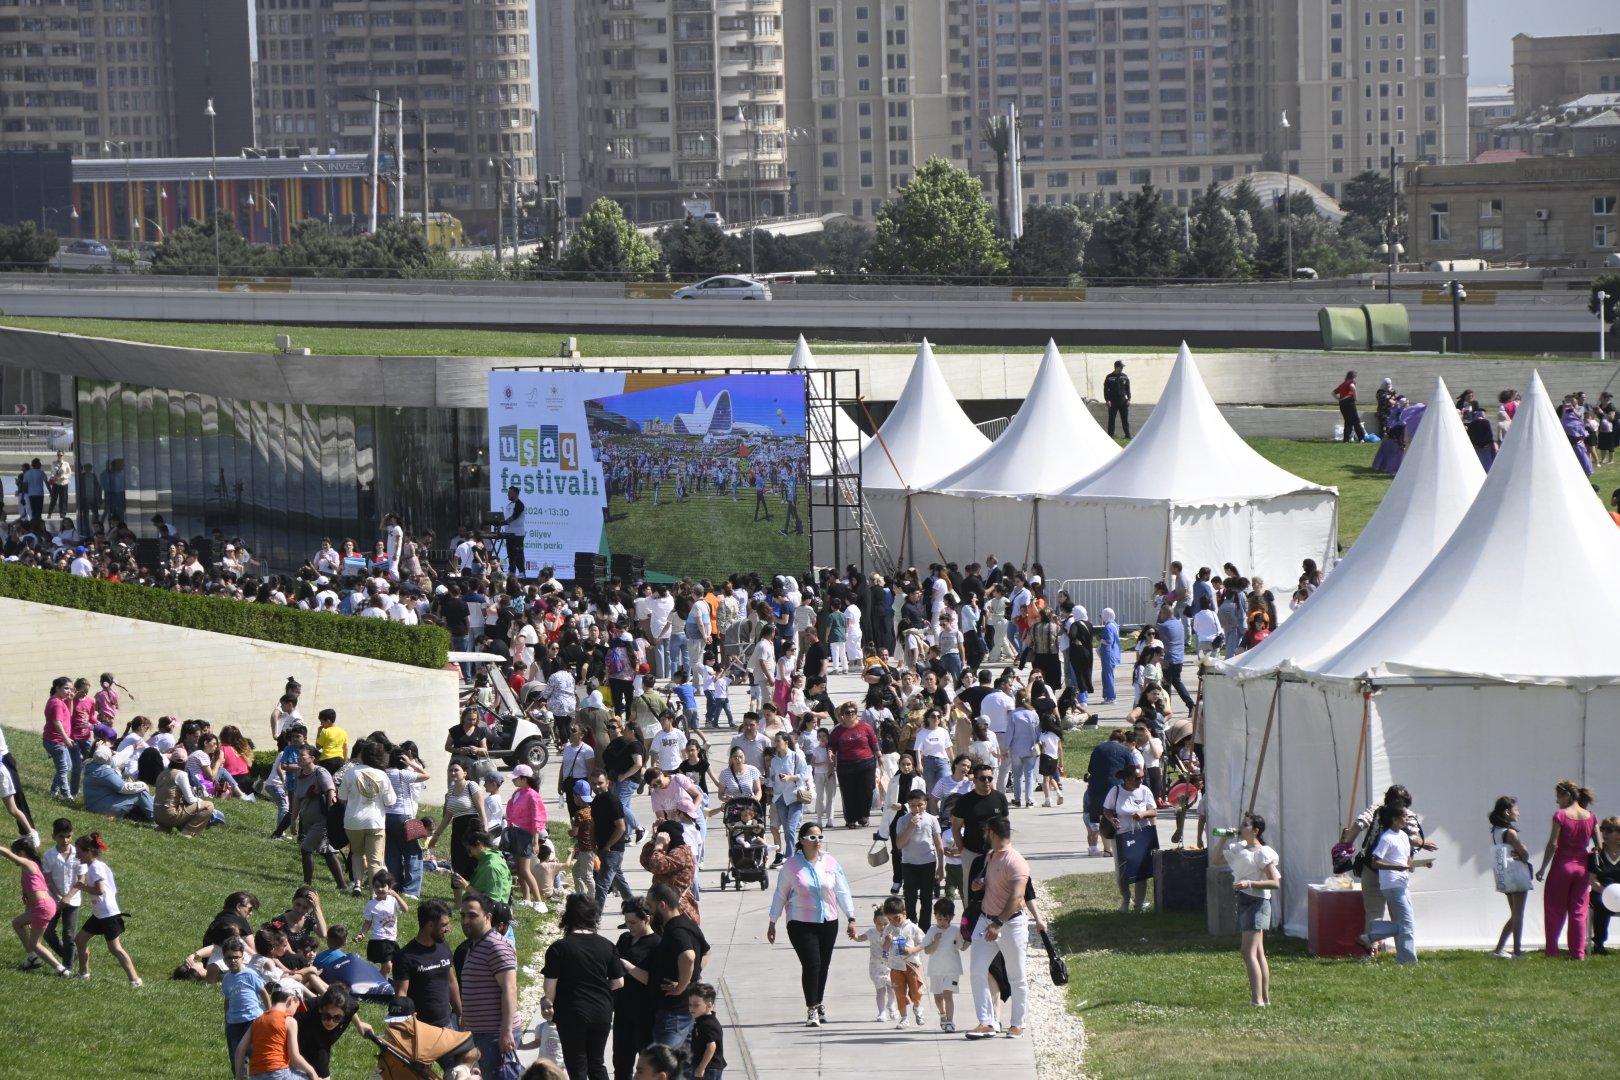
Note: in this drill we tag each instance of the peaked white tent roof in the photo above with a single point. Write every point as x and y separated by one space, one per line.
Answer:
1436 484
846 432
1535 544
1186 452
1052 442
927 436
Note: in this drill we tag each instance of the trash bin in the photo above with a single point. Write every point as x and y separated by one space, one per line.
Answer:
1220 902
1178 879
1336 920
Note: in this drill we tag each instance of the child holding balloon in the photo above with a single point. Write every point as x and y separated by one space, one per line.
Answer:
1604 866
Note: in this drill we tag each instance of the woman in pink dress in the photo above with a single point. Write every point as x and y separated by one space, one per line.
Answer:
1568 895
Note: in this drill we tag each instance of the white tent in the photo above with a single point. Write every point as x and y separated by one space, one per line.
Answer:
1429 496
926 435
1490 674
1188 488
990 504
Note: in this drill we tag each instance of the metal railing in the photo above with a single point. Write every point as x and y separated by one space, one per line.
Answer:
1130 597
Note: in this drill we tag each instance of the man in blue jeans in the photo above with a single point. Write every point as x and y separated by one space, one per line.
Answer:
675 964
488 983
608 829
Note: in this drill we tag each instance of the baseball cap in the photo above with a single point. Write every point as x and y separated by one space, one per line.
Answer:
81 550
582 791
523 771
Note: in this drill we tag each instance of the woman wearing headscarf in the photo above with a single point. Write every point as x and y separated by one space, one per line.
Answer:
1108 652
671 861
1080 654
176 806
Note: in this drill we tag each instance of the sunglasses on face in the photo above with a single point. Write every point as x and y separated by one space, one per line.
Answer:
816 837
331 1018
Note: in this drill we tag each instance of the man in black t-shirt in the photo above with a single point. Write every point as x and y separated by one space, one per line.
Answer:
423 970
972 809
608 828
974 696
674 965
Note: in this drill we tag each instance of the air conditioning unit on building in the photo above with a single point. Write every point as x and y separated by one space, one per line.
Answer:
1543 215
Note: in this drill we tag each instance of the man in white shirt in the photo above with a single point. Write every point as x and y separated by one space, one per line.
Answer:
754 743
993 711
82 566
762 666
465 555
660 606
1021 599
514 526
374 608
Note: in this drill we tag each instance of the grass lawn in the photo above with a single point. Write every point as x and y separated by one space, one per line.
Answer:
1163 998
170 889
732 541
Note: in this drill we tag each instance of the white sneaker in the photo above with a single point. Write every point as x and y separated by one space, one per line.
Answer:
248 797
1502 954
916 1015
901 1025
1094 849
1048 802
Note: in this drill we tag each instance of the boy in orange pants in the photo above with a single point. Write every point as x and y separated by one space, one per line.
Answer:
903 942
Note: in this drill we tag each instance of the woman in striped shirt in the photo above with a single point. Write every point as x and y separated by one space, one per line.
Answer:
812 889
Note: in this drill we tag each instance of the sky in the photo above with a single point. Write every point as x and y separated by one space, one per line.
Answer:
1492 24
755 399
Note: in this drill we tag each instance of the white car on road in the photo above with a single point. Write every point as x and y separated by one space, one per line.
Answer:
725 287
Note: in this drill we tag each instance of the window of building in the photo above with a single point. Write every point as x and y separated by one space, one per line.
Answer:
829 183
1603 236
1141 177
1603 205
1440 221
1490 238
825 16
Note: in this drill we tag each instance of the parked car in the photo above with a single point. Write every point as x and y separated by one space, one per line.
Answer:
725 287
712 218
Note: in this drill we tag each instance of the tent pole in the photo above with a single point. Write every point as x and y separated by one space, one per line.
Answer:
1029 538
1361 750
1265 741
1198 705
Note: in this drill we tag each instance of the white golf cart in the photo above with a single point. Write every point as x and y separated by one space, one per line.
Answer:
518 732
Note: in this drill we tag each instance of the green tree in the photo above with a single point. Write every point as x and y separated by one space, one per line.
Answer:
1053 245
691 249
1140 236
844 245
1217 251
606 247
998 137
1609 286
25 247
1367 202
937 228
190 250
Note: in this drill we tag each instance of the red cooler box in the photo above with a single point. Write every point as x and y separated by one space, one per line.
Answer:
1336 920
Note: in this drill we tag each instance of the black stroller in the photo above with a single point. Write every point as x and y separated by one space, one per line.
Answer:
745 844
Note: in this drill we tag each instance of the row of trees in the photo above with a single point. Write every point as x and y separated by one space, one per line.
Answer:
938 229
25 247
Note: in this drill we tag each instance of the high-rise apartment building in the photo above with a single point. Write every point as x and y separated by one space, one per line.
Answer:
75 75
681 99
875 89
557 91
459 67
1364 83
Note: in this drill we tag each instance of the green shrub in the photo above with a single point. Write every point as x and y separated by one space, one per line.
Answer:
418 646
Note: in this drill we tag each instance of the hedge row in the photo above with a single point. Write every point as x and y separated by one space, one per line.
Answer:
419 646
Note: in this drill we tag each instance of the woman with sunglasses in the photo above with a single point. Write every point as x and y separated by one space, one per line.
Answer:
334 1013
812 890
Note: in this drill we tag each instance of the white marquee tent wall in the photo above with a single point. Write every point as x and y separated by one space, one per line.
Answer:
1473 691
1187 487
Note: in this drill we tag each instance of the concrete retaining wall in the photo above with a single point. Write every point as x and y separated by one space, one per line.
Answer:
1246 378
225 680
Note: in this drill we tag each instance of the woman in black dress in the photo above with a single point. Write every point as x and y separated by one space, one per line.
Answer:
582 971
634 1003
330 1015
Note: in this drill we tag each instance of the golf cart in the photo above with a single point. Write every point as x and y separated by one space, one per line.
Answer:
518 732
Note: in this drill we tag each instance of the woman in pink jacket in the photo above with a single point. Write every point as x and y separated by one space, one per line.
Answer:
812 890
525 820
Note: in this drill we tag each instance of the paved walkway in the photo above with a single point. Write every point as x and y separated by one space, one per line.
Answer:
763 1008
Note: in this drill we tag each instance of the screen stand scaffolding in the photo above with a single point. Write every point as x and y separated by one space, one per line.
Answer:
842 529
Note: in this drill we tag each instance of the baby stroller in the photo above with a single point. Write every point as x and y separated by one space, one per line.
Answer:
410 1049
745 844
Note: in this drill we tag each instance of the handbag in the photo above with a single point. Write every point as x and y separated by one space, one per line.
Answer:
1136 854
415 829
1512 874
1105 827
1055 963
879 853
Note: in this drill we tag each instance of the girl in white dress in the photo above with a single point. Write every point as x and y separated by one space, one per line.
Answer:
852 636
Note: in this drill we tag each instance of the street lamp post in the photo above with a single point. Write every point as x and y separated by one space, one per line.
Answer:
1394 251
213 175
271 203
107 145
1288 192
1603 324
156 226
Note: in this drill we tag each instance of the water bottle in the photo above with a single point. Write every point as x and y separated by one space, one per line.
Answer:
1224 834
